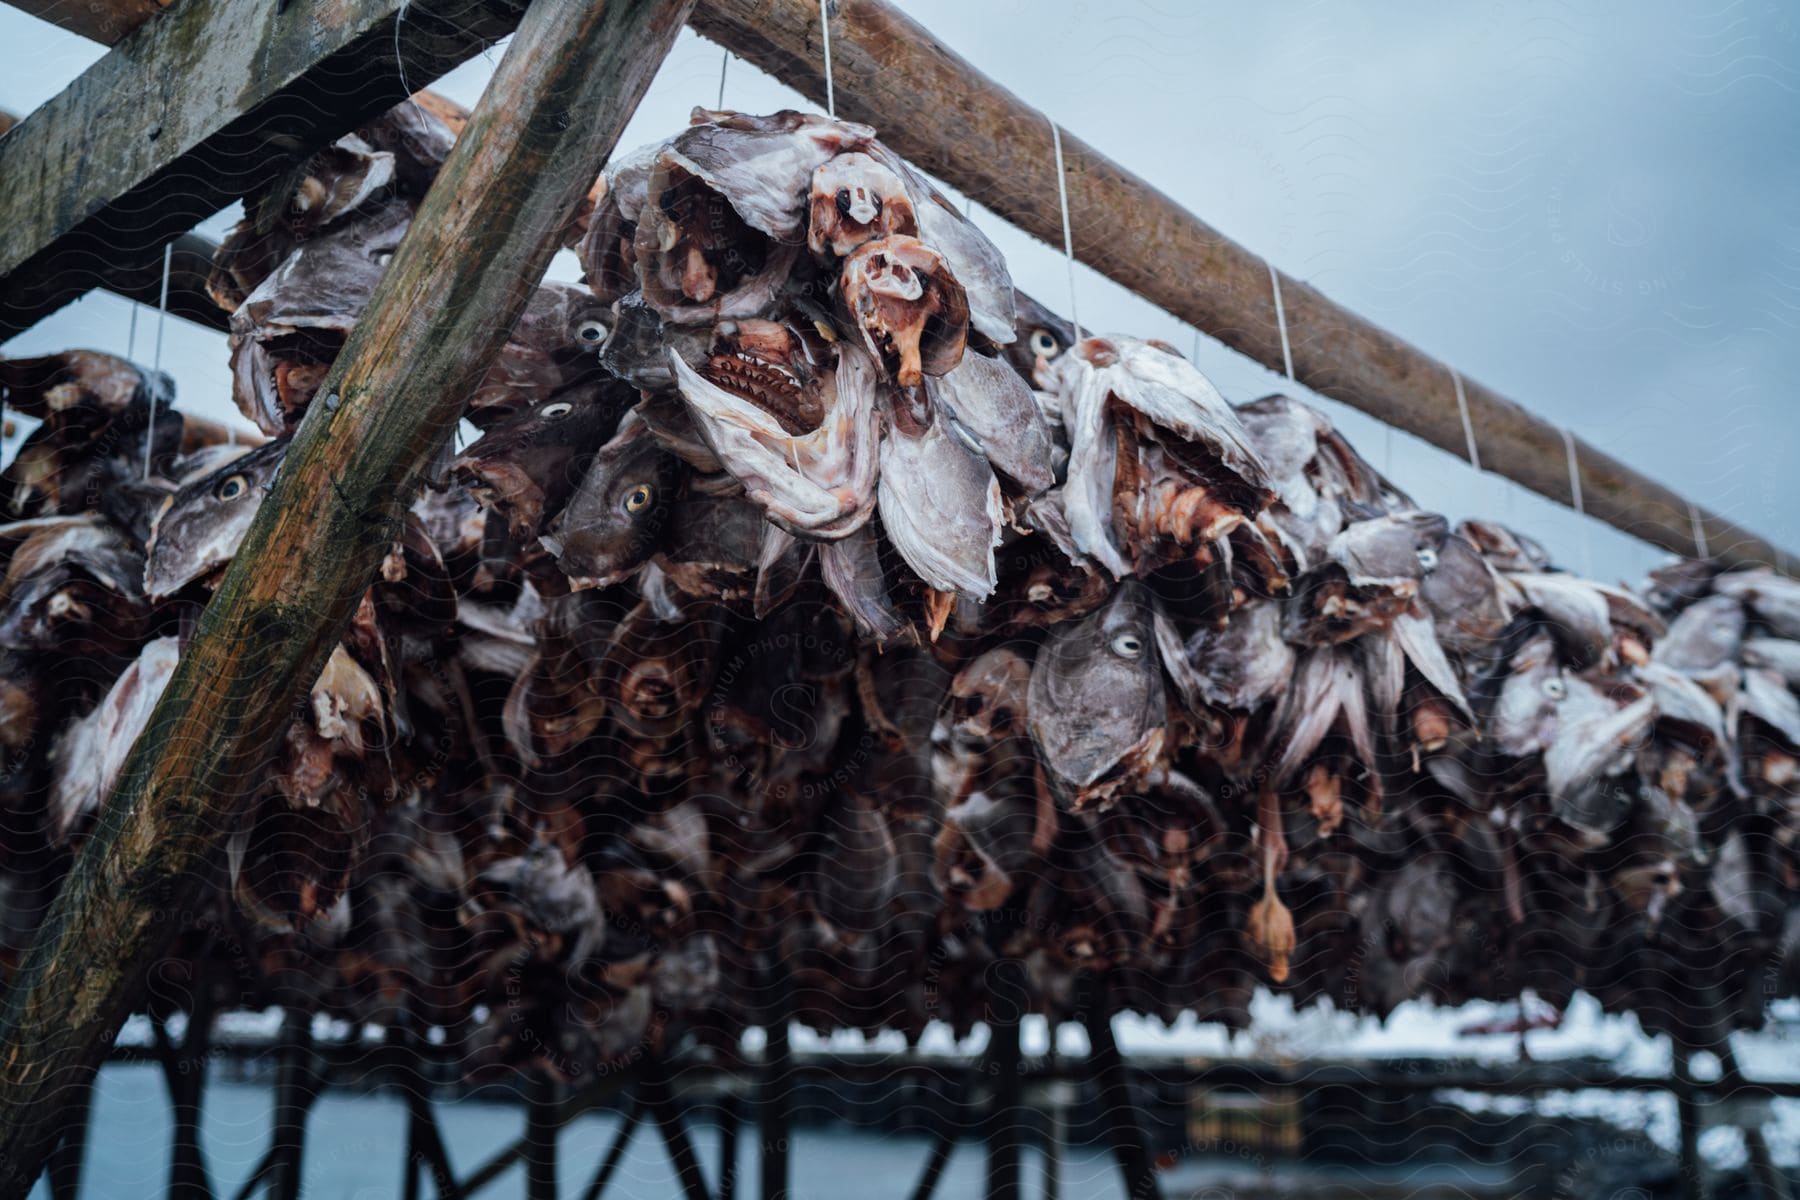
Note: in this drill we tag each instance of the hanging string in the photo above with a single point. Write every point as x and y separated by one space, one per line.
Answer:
1287 353
1574 471
1699 528
724 62
1587 549
131 333
1062 198
162 313
825 31
1462 406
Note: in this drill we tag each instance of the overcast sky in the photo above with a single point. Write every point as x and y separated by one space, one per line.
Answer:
1593 207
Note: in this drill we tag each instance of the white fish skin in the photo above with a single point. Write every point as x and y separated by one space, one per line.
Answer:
89 755
940 505
988 398
816 485
1164 387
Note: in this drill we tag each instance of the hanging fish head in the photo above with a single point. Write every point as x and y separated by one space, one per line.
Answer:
1096 699
909 308
1581 730
616 519
201 526
287 333
69 582
1039 337
527 465
818 482
554 346
1160 466
987 700
855 199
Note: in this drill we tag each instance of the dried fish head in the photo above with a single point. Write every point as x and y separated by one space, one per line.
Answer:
201 526
286 333
989 402
909 309
554 347
90 753
617 516
1159 465
1039 337
820 483
71 583
527 465
855 199
940 506
1096 699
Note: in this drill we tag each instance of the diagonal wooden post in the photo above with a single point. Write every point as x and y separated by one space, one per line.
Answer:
482 239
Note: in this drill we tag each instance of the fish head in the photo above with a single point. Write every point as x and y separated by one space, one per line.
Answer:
987 699
697 259
819 483
288 331
1601 724
555 345
910 310
336 180
1039 337
527 465
1506 549
80 386
618 515
201 526
1095 697
853 200
68 578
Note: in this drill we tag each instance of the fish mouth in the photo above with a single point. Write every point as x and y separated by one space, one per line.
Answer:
694 243
583 576
773 388
281 373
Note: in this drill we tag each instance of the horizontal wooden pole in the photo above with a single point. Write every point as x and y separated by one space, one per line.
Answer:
458 282
192 111
939 111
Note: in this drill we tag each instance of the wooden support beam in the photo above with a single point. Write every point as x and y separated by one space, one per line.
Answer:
197 108
458 282
939 111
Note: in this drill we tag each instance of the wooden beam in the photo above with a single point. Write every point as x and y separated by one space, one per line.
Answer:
195 109
458 282
104 21
939 111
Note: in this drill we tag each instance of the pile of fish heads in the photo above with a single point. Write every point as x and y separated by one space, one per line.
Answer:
815 620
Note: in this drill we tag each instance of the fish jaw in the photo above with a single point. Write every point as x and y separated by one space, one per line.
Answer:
908 307
818 485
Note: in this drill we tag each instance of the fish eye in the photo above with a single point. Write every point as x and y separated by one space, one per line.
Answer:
384 258
639 498
1044 343
1555 688
551 412
1428 559
232 487
591 331
1128 645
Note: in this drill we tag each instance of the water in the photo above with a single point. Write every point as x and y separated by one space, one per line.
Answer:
355 1144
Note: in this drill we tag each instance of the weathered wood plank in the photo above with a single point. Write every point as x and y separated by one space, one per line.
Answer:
939 111
459 280
196 109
